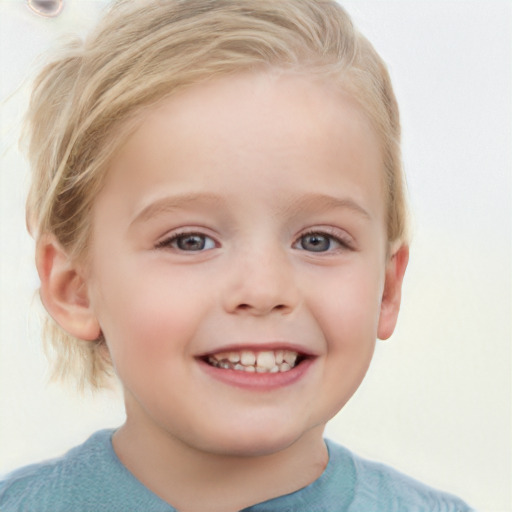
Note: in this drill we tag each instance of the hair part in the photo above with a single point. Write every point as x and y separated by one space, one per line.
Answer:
86 102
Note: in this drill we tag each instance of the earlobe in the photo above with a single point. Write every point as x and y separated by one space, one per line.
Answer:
63 290
392 293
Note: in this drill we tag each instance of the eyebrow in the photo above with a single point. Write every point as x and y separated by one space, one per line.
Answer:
170 203
326 202
310 201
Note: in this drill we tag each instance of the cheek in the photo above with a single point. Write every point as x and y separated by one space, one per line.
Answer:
349 310
146 316
349 323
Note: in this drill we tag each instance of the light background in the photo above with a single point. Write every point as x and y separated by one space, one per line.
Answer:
436 403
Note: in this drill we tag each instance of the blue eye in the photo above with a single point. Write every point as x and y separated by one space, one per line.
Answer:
320 242
188 242
315 242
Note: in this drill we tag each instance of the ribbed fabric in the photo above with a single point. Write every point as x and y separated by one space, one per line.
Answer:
90 478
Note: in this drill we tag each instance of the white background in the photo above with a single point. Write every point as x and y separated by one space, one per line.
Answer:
437 401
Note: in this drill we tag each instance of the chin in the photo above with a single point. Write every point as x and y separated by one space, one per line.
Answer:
252 448
254 442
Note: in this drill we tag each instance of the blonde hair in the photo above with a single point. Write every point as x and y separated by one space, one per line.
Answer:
144 50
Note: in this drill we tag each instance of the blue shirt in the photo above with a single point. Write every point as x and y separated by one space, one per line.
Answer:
91 478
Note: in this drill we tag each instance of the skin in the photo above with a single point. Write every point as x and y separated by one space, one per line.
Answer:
250 165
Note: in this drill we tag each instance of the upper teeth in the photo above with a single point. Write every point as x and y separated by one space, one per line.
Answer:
267 361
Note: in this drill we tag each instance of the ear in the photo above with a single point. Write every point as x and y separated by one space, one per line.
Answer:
392 293
64 291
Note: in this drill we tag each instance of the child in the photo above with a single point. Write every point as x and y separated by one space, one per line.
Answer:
219 216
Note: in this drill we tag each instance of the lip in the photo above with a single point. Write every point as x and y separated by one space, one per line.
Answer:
256 347
258 381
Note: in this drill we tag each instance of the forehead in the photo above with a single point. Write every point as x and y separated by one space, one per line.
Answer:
253 130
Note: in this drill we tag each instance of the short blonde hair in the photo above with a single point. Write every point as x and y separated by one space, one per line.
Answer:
144 50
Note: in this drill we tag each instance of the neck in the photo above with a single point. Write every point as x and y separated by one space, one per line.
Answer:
175 471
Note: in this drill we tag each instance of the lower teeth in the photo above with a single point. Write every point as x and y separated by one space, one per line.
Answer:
227 365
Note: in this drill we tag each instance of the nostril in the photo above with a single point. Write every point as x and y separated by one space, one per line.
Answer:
261 309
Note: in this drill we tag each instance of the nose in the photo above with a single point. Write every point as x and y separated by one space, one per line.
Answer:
261 283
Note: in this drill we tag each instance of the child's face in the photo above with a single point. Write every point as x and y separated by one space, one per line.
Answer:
246 214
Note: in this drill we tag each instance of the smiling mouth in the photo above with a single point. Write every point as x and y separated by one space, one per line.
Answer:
265 361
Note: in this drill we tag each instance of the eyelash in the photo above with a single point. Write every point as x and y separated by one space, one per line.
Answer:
168 243
341 242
